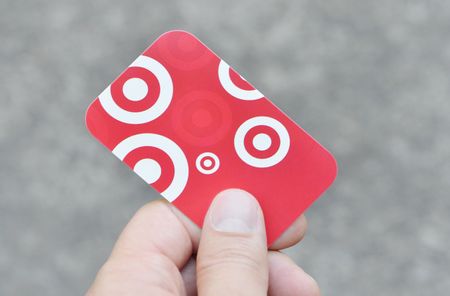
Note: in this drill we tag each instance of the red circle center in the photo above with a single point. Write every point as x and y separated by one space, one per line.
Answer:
201 118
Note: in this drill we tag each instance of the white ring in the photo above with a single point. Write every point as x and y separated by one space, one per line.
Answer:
242 152
213 169
232 89
181 167
161 104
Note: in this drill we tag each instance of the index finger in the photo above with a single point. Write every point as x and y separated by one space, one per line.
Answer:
161 227
147 256
156 229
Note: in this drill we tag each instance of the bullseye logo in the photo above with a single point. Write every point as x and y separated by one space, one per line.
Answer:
261 142
141 94
183 51
207 163
201 118
158 160
236 85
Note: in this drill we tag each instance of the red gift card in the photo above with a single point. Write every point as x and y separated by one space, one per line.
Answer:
190 126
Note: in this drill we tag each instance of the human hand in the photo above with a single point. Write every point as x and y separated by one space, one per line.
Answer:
155 254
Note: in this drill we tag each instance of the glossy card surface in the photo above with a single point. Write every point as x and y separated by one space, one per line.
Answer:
190 126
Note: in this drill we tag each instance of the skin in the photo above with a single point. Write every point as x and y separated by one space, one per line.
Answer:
161 252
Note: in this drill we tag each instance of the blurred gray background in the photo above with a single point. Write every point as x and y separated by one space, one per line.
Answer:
368 79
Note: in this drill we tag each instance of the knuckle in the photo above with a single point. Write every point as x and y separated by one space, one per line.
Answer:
239 255
149 208
153 272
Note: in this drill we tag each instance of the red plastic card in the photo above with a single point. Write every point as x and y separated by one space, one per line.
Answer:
190 126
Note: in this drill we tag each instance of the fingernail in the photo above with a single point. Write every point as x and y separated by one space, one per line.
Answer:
234 210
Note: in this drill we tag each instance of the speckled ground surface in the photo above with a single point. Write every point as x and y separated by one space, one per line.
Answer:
368 79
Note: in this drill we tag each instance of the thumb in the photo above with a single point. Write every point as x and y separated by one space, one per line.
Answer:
232 255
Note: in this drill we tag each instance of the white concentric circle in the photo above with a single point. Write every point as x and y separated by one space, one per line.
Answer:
135 89
262 142
181 167
207 166
148 169
242 152
161 104
233 89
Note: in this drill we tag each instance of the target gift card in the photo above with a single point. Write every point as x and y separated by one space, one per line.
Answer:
190 126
